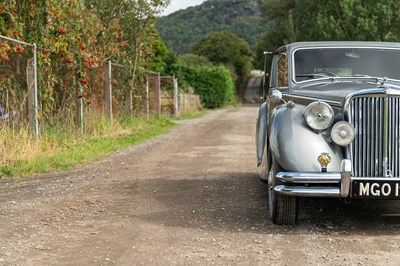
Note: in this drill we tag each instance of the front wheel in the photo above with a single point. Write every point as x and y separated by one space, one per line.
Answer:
283 209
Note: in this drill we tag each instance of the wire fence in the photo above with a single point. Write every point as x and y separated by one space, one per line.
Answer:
18 83
106 90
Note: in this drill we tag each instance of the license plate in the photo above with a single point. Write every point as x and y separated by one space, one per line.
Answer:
376 189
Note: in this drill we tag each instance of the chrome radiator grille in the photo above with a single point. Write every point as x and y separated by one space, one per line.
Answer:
375 150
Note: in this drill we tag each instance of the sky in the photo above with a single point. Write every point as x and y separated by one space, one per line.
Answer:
180 4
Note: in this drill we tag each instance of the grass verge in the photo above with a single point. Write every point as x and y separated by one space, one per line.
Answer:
192 113
60 150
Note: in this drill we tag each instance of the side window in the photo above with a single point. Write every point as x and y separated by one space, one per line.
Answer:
282 71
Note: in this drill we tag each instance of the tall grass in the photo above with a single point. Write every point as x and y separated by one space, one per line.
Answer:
192 113
60 149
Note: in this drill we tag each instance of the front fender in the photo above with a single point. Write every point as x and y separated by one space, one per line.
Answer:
295 146
261 132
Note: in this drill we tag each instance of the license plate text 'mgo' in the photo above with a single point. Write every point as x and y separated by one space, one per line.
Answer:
378 189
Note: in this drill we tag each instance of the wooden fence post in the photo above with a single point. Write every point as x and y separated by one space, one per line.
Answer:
176 91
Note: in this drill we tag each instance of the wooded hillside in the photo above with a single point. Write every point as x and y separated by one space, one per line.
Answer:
182 29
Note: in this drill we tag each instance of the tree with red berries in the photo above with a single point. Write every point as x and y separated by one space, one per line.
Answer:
75 38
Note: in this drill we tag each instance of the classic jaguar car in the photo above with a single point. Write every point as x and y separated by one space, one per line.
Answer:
330 124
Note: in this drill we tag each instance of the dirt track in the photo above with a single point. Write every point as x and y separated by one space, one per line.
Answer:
190 197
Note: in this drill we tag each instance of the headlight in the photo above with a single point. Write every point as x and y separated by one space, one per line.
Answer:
318 115
343 133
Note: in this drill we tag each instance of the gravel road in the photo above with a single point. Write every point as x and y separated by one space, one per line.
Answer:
187 198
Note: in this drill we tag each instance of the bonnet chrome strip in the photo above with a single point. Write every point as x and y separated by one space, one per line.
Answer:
293 97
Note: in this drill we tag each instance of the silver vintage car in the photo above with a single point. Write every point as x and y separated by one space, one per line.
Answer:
330 124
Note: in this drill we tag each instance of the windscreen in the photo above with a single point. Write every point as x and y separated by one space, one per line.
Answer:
346 62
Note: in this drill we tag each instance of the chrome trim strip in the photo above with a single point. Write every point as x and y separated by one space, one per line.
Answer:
376 92
396 139
377 81
341 46
293 96
372 179
324 192
380 143
309 177
386 137
346 178
364 119
369 129
373 164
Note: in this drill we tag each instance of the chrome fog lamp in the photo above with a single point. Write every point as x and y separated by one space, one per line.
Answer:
343 133
319 115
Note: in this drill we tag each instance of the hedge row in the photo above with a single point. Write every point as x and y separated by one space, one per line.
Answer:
213 84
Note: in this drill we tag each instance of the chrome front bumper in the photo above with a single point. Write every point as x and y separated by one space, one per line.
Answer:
337 183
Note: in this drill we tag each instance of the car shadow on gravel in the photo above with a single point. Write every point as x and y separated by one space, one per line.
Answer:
229 202
237 202
373 217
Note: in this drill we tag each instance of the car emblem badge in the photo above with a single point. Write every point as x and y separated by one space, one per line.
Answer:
324 159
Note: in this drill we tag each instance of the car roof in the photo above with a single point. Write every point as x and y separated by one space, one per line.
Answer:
297 45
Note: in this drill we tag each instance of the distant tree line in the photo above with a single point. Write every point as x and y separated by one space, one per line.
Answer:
182 29
328 20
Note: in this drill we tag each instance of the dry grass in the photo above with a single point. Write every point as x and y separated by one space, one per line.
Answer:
20 153
17 145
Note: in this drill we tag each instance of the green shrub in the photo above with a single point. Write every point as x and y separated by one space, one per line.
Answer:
214 84
194 60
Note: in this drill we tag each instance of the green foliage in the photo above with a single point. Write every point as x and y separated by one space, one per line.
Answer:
76 36
223 47
135 23
214 84
269 41
160 53
182 29
170 61
344 20
194 60
228 49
